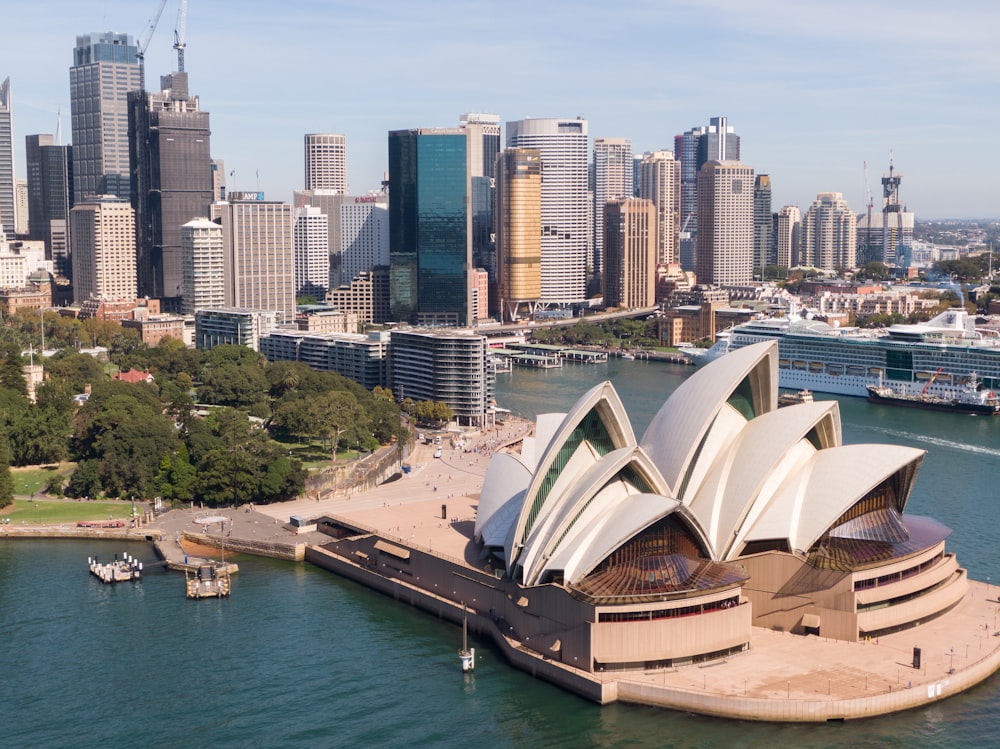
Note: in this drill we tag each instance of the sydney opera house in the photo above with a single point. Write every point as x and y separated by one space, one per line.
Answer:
728 513
594 552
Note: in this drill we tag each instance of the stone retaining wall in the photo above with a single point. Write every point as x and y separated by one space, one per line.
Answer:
277 550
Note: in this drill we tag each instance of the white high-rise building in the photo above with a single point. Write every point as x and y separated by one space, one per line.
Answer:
312 252
8 201
787 241
203 266
105 68
562 145
724 244
660 182
613 179
364 235
326 162
259 254
829 233
103 231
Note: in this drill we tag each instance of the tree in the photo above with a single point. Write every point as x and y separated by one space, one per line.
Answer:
6 479
336 413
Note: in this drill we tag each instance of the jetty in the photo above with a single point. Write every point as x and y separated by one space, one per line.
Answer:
126 569
210 581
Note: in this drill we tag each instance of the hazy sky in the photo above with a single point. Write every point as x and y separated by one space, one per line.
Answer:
814 89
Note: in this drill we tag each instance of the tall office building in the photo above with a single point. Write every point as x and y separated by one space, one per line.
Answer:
259 253
326 162
660 182
630 253
787 241
762 224
716 141
828 234
312 252
519 231
724 250
203 264
171 170
430 247
105 68
364 235
565 204
21 206
103 231
50 197
483 131
8 203
612 180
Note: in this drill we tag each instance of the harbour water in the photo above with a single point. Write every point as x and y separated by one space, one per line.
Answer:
300 658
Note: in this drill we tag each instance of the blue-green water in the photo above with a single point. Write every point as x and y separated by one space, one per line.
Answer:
300 658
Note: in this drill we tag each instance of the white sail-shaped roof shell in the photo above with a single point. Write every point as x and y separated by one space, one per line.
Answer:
674 436
720 453
814 498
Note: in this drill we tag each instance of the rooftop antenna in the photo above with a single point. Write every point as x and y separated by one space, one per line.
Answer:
180 35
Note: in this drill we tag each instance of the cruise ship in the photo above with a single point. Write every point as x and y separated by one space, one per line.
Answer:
937 358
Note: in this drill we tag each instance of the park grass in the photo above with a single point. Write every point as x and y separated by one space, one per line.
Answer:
59 511
31 481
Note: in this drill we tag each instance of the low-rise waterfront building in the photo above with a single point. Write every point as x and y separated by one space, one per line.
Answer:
450 366
362 358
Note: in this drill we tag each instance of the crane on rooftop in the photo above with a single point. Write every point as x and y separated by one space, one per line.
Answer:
180 35
143 42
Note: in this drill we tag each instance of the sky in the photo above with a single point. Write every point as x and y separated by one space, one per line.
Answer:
814 89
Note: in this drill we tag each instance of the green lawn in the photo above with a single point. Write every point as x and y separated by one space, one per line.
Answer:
55 511
32 480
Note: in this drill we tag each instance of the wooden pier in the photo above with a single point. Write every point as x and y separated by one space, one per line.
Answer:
120 570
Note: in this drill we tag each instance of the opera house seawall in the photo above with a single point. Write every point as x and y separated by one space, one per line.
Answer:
733 533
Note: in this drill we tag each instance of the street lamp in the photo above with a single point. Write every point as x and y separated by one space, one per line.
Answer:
951 662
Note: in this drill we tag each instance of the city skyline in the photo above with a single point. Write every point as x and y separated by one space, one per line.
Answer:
812 98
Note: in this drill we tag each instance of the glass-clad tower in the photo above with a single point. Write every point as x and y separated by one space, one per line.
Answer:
105 68
429 227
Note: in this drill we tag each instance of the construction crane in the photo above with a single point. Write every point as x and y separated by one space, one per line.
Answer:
180 33
142 43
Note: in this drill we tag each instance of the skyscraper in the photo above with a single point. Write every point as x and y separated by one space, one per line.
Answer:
630 253
103 231
430 248
716 141
312 252
171 171
105 68
762 223
612 180
326 162
724 253
565 205
483 131
8 205
203 264
259 253
50 197
828 235
364 235
789 225
660 182
519 231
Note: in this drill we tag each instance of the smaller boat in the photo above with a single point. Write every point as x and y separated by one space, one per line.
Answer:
466 655
794 399
628 356
970 399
